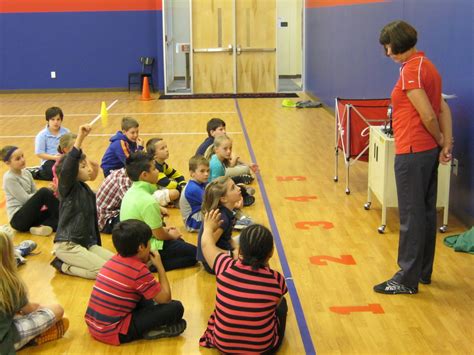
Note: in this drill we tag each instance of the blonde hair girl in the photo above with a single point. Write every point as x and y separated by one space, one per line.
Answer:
24 321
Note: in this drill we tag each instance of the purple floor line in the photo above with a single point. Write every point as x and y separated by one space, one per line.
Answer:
300 318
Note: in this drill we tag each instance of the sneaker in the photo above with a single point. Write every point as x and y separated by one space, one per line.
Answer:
41 230
20 260
424 281
250 190
392 287
56 331
243 222
26 247
57 264
249 200
243 179
166 331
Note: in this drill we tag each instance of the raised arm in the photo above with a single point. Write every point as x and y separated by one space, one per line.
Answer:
70 167
212 222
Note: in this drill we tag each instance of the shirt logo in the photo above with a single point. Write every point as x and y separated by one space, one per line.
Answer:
411 81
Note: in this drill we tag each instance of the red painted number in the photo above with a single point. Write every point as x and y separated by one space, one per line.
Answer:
323 260
375 308
291 178
308 224
301 198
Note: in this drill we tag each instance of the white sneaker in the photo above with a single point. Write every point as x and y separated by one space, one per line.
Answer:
243 222
41 230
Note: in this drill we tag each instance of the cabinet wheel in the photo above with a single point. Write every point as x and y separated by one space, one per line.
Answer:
367 206
381 229
443 228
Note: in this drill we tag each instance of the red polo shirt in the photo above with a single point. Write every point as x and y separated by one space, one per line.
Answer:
410 133
119 287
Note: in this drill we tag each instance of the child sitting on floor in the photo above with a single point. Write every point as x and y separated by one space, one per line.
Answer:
190 201
77 242
240 171
218 164
28 209
127 303
46 144
21 321
214 127
66 142
224 195
169 179
122 144
250 310
139 203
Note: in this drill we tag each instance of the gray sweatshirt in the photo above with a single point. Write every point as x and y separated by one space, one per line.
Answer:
18 189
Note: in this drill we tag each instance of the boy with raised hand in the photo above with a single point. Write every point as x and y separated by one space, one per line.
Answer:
139 203
77 241
127 302
122 144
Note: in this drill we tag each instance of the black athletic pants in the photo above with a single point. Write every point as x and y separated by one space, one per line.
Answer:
30 214
148 316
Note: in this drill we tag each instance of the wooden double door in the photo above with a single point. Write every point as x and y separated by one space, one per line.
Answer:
234 46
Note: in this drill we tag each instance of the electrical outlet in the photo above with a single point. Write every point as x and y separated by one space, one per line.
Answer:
455 167
53 75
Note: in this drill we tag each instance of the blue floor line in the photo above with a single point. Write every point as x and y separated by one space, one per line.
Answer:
300 318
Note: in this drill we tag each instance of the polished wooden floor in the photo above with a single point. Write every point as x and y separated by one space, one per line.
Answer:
294 148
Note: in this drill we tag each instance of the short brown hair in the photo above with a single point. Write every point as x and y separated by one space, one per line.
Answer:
213 124
129 122
197 160
400 35
150 145
53 112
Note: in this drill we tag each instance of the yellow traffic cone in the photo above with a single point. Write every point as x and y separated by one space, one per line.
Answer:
104 115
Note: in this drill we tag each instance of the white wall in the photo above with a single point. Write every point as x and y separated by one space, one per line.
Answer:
289 39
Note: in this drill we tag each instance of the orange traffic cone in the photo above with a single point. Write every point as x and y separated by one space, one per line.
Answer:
146 90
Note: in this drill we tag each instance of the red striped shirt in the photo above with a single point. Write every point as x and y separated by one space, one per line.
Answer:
244 319
119 286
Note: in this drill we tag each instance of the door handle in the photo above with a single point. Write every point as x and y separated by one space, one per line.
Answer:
252 49
213 50
239 49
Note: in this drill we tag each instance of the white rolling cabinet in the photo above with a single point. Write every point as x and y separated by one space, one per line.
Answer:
381 177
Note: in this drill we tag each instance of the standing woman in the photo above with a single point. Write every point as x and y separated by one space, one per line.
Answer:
423 136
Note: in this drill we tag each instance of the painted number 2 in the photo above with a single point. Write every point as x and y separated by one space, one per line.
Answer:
323 259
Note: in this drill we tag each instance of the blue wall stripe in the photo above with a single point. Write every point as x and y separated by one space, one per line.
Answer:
300 318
